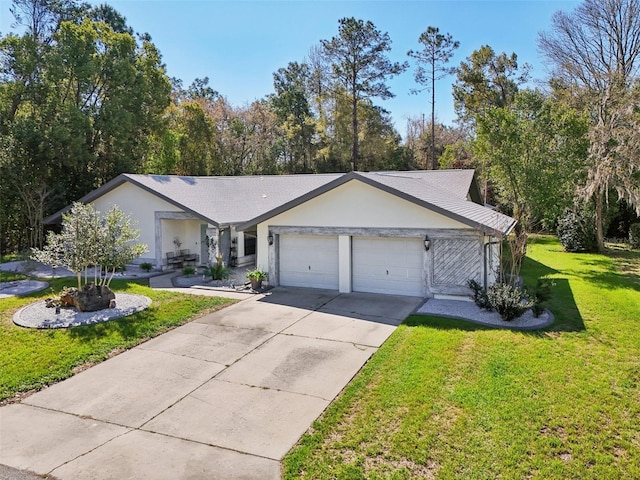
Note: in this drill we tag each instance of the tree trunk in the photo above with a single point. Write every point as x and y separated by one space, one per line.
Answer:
600 220
434 161
354 113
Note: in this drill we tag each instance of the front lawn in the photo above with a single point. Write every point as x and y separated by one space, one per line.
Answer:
447 399
30 359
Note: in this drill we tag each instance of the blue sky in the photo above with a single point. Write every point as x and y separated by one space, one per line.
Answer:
239 44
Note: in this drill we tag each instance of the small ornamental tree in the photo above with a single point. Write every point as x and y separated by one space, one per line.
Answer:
88 239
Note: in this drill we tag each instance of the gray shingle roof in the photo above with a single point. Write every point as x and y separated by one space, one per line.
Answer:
231 200
455 182
442 189
248 200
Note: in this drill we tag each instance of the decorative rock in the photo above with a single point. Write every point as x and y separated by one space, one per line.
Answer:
37 315
66 298
90 299
51 302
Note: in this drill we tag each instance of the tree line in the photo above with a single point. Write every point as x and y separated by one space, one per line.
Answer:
84 98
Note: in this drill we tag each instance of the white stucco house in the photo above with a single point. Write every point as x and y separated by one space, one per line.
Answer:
421 233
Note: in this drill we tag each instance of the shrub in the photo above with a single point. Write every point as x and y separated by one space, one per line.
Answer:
634 235
577 232
541 294
146 266
479 295
509 301
219 271
188 270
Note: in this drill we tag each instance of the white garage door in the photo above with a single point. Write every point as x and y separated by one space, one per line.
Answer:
388 265
309 261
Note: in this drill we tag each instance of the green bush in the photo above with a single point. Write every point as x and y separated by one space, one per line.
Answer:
541 294
577 232
219 271
634 235
188 270
479 295
146 266
509 301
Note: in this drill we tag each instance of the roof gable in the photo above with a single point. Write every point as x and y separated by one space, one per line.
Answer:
414 189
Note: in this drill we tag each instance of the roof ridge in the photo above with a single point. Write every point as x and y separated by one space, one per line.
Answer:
233 177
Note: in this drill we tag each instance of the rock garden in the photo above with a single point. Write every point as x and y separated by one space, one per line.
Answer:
94 247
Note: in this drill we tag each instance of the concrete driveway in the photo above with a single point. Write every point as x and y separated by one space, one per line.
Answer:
225 396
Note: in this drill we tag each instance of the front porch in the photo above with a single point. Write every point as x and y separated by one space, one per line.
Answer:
237 285
182 240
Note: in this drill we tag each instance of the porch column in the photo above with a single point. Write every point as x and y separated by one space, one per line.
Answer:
158 243
240 244
213 235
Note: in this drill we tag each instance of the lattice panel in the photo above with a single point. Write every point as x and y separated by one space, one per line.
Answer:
455 261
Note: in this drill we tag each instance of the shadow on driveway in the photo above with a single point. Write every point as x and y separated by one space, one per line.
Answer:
387 309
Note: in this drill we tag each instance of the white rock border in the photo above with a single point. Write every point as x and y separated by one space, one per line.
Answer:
21 287
469 311
37 315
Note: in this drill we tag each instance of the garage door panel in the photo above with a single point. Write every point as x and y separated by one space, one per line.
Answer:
309 261
388 265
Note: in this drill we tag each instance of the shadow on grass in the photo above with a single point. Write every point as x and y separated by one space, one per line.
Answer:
564 308
128 328
622 272
562 303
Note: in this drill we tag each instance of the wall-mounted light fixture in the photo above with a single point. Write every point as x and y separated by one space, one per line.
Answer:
427 243
270 239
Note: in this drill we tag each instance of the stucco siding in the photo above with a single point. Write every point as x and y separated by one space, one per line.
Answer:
188 231
355 204
140 205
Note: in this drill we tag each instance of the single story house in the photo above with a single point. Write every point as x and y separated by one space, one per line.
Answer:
421 233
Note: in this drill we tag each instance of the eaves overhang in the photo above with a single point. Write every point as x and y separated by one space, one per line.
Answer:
115 183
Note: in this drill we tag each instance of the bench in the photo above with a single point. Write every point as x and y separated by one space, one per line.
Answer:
183 259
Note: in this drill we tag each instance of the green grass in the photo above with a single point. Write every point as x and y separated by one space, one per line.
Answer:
447 399
31 359
12 257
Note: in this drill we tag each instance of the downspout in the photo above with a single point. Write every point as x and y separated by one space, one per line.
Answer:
486 275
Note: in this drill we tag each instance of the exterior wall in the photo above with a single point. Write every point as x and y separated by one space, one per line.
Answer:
188 231
357 205
456 260
140 205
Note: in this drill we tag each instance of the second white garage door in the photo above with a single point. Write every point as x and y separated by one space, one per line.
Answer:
309 261
388 265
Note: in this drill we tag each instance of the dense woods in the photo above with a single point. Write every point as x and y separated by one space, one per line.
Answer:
84 98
